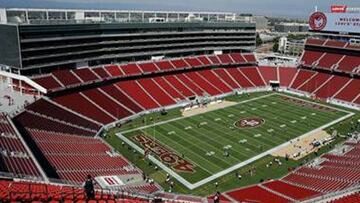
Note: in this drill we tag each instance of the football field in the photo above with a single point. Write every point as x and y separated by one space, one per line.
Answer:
208 144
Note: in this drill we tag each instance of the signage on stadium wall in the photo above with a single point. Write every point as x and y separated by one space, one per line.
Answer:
338 8
335 22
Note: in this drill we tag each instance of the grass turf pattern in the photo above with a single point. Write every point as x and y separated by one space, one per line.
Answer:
201 139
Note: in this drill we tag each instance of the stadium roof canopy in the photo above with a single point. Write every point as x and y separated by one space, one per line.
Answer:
41 16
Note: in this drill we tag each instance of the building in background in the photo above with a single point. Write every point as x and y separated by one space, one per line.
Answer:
292 27
291 46
262 23
42 40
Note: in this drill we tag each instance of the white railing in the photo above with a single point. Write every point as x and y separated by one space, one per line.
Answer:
344 104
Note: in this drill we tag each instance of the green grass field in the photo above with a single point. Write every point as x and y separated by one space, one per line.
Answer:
201 139
228 181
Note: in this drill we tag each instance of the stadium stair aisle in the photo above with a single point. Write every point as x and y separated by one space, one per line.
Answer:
76 156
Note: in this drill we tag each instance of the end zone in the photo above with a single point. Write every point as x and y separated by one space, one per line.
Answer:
302 146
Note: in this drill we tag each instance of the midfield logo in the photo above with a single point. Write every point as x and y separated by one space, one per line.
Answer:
249 122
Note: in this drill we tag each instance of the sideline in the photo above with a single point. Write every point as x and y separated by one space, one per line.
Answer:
192 186
182 117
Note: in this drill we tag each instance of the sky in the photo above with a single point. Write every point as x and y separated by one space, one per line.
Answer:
277 8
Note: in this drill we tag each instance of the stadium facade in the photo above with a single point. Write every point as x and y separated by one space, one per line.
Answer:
39 41
206 118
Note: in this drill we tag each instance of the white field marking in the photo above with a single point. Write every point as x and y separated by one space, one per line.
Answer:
217 119
157 162
201 157
171 133
311 102
257 135
180 118
264 105
231 115
242 112
273 102
243 141
282 126
211 153
304 117
214 139
254 109
192 186
313 114
203 123
188 128
293 121
270 130
259 156
227 147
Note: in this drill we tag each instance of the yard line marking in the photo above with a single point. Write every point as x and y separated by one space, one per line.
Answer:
293 121
191 152
243 141
311 102
180 118
188 128
241 164
210 153
253 139
257 135
214 139
227 147
282 126
259 156
229 135
157 162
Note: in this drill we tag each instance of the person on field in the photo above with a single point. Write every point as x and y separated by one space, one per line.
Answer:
217 197
89 188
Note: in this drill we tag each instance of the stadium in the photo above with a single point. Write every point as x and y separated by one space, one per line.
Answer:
165 106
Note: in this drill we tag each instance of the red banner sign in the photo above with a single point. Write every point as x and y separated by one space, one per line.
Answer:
338 9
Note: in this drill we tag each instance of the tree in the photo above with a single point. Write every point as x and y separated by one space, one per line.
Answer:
276 46
258 40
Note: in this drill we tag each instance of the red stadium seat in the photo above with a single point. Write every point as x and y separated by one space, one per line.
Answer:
269 73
